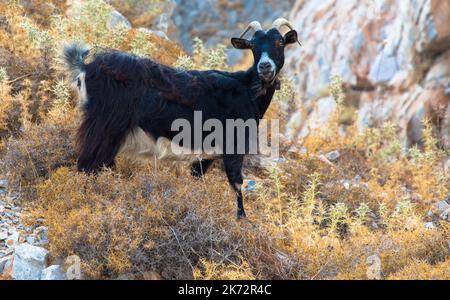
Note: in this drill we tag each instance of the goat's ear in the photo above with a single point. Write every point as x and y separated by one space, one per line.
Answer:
291 37
241 44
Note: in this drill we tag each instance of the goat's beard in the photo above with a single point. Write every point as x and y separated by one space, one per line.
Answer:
260 86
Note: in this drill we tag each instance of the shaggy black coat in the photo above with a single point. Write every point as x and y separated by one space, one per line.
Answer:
125 92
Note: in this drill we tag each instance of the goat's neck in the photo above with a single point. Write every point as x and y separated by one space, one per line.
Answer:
263 92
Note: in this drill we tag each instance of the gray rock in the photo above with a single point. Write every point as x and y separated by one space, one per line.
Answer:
118 21
445 214
163 23
333 156
41 235
29 261
346 184
12 240
158 33
54 272
442 205
31 239
429 225
3 183
5 264
3 235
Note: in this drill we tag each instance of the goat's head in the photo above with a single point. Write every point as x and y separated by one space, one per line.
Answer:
267 47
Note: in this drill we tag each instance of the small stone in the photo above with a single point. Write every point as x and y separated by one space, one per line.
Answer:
440 207
16 209
445 215
41 234
12 240
3 183
54 272
3 235
152 276
31 239
5 265
333 155
429 225
124 277
29 261
11 229
443 205
346 184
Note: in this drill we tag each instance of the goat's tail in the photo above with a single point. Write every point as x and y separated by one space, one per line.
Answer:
74 55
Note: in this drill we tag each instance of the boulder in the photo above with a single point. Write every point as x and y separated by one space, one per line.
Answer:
29 261
118 21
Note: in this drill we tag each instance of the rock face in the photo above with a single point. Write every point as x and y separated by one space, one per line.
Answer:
393 56
216 21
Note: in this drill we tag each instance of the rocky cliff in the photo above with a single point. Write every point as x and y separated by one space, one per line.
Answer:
216 21
393 57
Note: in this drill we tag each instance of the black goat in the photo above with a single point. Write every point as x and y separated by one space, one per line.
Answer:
130 103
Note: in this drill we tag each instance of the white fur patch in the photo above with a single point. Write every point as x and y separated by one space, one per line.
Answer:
266 58
81 90
143 146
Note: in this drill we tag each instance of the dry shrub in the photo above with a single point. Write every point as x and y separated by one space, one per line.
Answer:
420 270
141 13
149 222
31 156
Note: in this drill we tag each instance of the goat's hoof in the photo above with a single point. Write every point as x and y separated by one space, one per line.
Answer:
197 176
241 216
196 173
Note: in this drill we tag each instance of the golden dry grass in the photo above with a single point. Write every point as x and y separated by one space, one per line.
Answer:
304 222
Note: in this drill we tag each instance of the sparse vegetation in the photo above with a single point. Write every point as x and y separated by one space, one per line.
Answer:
309 218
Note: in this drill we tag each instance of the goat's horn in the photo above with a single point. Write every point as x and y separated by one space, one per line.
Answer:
255 25
280 22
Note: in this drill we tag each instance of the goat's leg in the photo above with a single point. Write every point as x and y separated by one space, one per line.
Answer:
233 168
104 158
199 168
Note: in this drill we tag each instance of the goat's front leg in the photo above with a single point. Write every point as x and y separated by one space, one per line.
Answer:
233 168
199 168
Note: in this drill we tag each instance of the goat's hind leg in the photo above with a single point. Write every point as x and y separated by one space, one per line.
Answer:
98 147
199 168
233 168
102 158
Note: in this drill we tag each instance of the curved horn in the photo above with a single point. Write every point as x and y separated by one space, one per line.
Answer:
255 25
280 22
